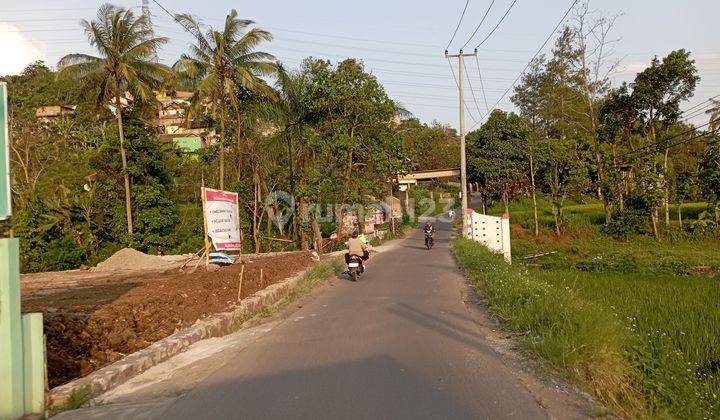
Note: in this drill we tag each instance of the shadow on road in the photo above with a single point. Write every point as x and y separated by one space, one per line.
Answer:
450 329
346 390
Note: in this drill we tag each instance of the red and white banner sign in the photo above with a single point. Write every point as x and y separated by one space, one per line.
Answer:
221 219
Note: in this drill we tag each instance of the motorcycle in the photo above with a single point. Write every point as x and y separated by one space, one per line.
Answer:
429 240
355 267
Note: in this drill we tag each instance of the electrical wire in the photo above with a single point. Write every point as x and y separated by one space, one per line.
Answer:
458 86
482 85
695 137
498 24
458 24
472 91
174 18
664 141
700 104
694 111
539 50
478 26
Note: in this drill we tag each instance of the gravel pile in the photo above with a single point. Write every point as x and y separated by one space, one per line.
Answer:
130 259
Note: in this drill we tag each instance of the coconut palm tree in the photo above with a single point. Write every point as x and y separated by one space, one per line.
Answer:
127 61
224 63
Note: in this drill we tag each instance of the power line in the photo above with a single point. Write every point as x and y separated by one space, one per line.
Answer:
664 141
173 17
482 85
697 113
472 91
386 42
458 24
695 137
427 85
694 112
458 86
409 73
498 24
325 44
429 105
46 10
379 60
478 25
539 50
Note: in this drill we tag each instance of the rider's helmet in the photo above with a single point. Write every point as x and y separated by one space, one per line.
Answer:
355 233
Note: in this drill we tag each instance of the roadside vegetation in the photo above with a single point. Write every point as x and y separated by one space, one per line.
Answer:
103 177
644 342
613 194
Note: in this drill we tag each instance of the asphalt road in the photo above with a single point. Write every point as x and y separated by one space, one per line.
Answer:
399 344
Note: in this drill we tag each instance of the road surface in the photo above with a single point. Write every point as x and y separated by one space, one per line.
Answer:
399 344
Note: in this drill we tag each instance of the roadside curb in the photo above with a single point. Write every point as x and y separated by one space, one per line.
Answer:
217 325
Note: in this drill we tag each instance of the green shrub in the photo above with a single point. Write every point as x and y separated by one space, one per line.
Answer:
63 254
626 222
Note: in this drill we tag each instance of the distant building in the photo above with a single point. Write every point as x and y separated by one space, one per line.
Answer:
173 125
126 101
171 122
54 112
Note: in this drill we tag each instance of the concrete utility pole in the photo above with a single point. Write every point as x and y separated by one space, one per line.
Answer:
463 168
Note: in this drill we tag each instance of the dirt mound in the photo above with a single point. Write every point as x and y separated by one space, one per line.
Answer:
91 326
130 259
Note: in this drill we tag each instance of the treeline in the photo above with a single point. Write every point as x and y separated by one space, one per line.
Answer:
630 146
88 184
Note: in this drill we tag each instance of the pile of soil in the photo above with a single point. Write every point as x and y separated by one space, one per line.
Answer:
131 259
91 326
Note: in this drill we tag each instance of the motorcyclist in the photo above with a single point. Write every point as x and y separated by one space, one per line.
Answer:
429 230
357 247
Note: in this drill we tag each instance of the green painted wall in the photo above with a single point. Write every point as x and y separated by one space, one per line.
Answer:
11 337
5 205
187 144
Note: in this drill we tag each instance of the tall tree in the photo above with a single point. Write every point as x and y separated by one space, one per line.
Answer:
430 146
355 132
564 173
617 124
529 99
223 63
127 62
596 49
497 153
657 93
552 101
293 114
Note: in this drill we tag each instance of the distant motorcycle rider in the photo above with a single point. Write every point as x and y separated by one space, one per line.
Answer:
357 247
429 230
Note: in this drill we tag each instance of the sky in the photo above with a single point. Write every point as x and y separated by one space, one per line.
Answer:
401 42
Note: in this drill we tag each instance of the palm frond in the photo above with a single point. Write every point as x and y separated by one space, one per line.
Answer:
127 55
146 48
251 40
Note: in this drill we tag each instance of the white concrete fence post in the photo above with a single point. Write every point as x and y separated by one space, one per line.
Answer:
491 231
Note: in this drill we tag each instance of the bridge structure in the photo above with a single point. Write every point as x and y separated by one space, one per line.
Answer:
415 176
405 180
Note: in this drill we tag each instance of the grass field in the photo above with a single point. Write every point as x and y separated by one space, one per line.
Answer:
578 212
637 323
